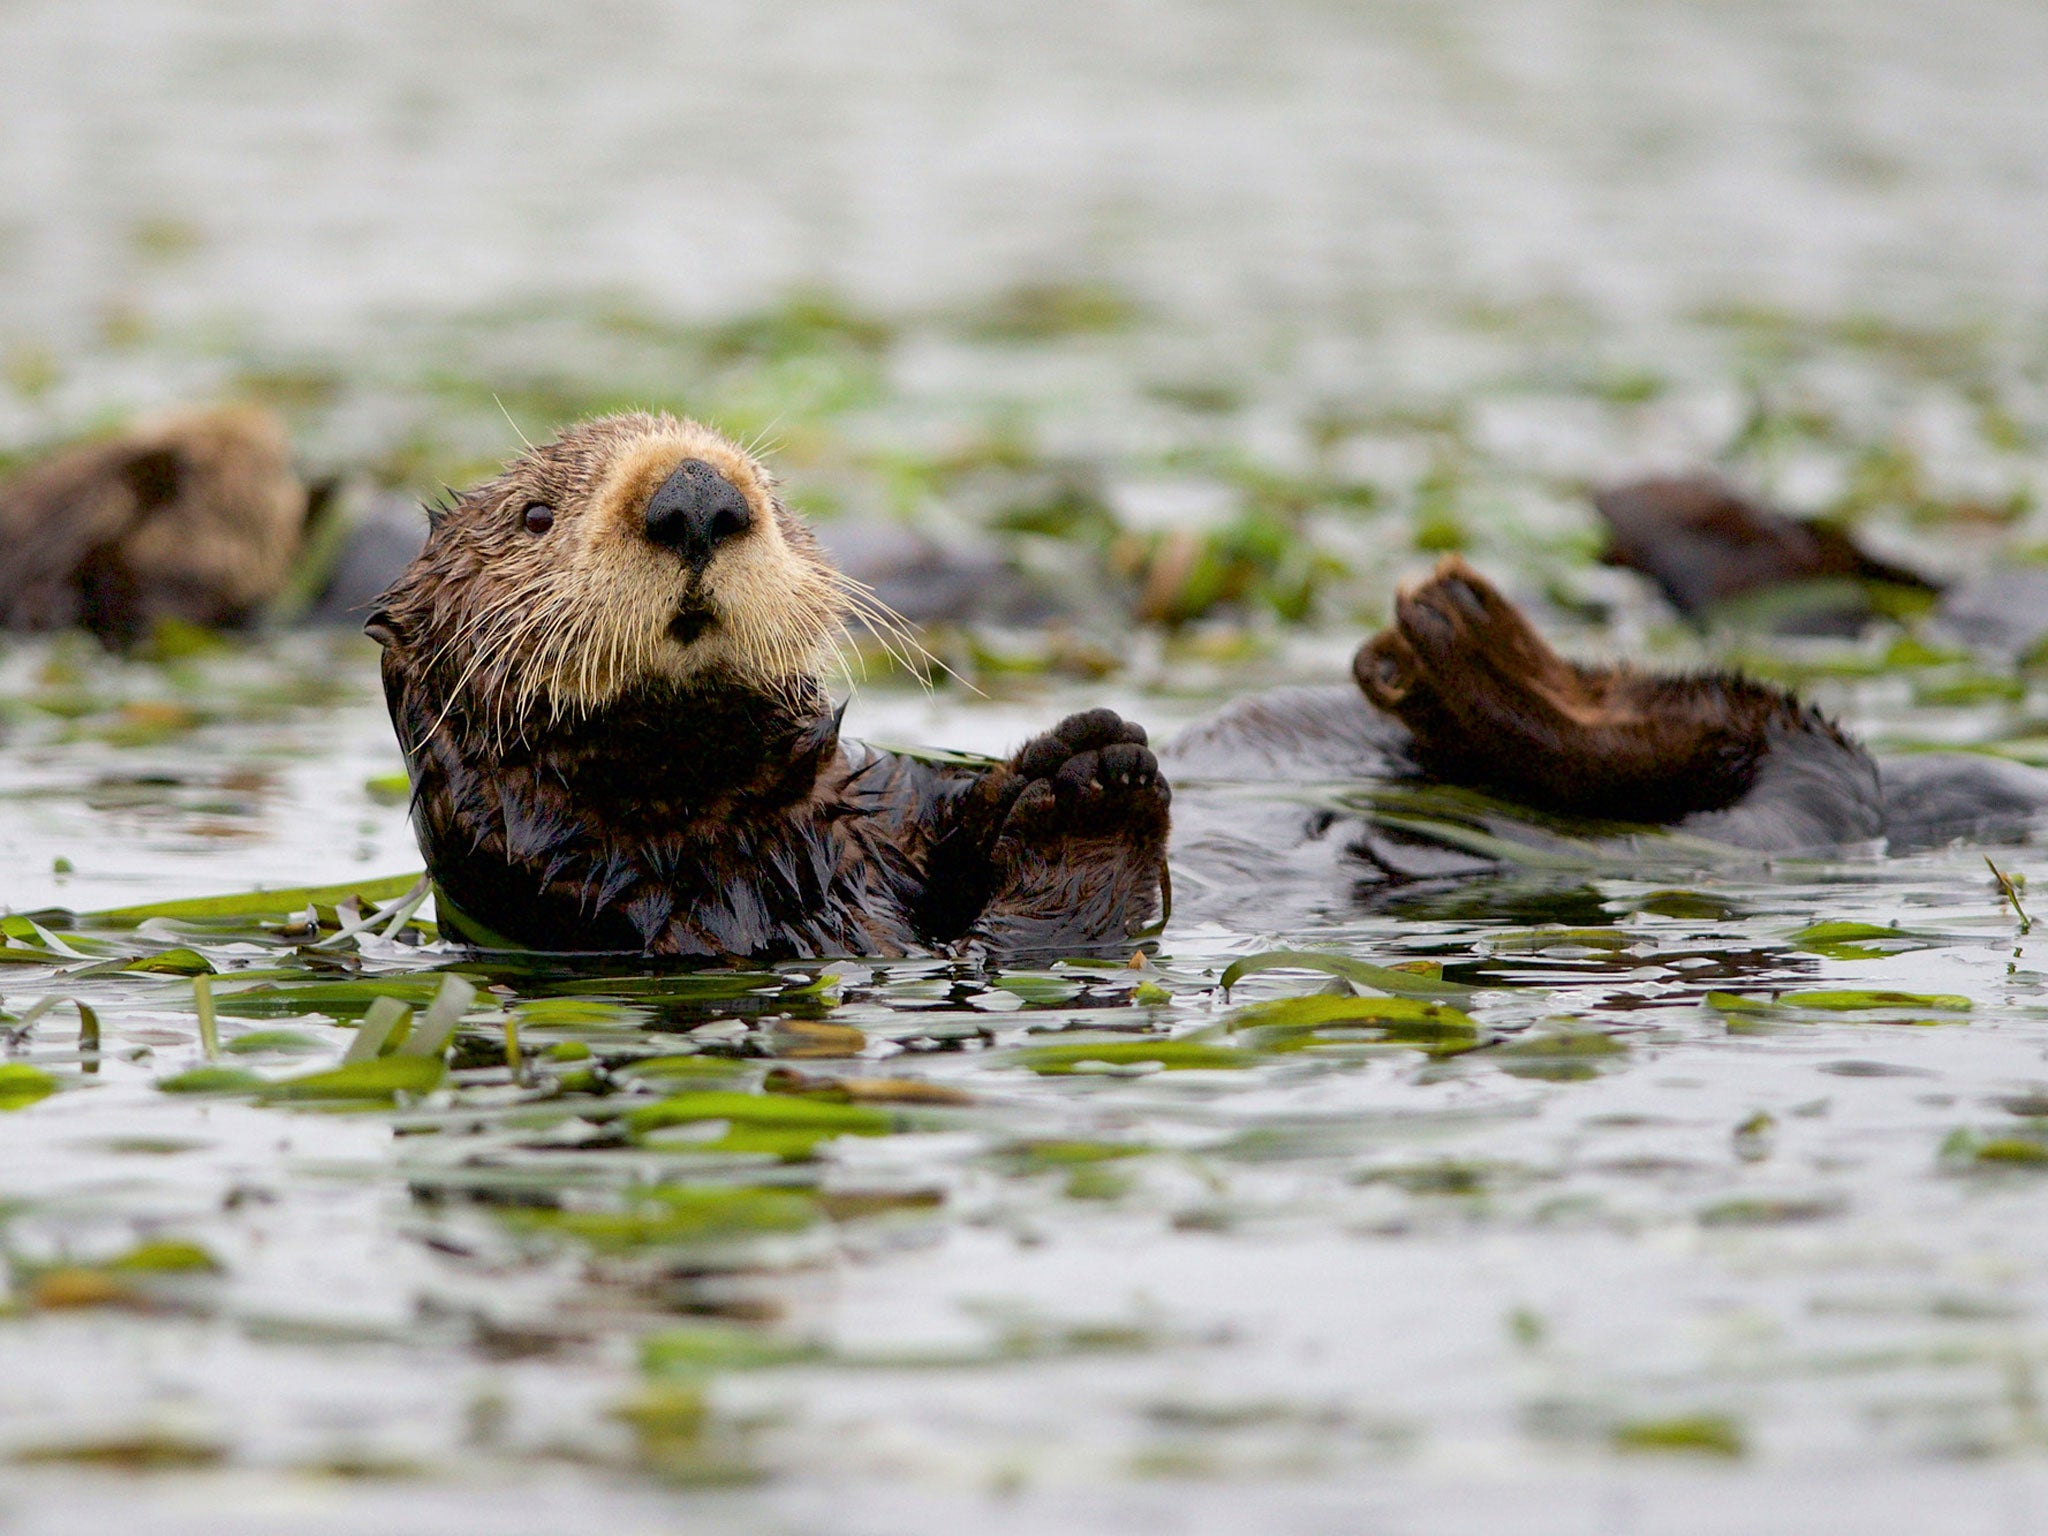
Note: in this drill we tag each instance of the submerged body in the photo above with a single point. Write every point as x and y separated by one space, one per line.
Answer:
1305 801
1461 692
605 670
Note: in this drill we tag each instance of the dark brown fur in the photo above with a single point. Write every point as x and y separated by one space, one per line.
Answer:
634 785
1703 543
588 775
195 517
1489 704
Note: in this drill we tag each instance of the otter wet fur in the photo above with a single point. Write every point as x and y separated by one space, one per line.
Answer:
606 671
1703 543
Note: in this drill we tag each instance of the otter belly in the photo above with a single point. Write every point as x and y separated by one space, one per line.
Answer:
781 889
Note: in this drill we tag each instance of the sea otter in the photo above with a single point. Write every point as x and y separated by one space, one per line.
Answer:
194 516
605 670
1704 543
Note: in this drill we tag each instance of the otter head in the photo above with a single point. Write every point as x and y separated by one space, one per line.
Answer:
634 553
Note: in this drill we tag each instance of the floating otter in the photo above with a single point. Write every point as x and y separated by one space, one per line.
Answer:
605 670
195 516
1708 547
1461 691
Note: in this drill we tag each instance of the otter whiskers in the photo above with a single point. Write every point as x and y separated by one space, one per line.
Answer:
891 631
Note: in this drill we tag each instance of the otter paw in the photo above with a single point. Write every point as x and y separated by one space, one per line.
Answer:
1090 775
1460 657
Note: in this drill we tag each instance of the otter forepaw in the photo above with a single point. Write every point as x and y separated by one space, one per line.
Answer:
1079 854
1090 775
1064 845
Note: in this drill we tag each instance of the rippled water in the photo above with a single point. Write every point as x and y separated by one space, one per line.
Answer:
1616 1247
1643 1237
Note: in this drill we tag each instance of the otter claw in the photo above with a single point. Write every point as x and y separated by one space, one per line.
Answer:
1385 668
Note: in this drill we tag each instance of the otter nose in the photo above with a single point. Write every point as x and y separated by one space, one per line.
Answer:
695 510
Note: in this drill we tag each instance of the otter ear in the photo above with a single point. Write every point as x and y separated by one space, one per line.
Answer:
380 628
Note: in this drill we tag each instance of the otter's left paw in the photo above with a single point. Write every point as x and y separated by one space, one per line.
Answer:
1062 846
1092 775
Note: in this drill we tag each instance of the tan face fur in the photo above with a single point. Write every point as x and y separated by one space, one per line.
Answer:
569 616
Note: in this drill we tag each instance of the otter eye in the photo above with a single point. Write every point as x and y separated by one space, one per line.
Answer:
539 517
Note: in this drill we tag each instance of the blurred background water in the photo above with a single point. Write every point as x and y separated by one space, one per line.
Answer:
310 173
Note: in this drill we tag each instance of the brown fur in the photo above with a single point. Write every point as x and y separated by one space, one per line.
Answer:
195 517
1489 704
571 622
1703 543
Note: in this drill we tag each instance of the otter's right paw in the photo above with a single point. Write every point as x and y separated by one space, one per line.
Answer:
1489 705
1476 686
1459 649
1089 776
